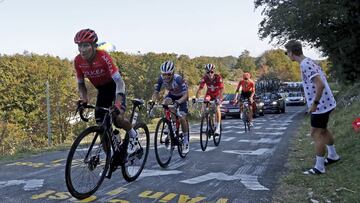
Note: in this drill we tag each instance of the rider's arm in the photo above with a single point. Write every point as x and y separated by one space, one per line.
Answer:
201 86
120 89
253 90
115 75
157 89
221 87
184 97
238 89
184 90
82 91
81 82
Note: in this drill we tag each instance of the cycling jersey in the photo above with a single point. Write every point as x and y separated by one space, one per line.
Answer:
248 86
214 85
99 71
176 87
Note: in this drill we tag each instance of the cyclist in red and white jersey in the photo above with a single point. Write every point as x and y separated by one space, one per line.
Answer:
98 67
246 86
215 87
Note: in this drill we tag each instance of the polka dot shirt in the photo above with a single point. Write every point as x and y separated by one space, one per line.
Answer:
309 69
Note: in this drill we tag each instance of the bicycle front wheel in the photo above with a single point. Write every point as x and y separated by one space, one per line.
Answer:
163 143
136 161
204 132
87 163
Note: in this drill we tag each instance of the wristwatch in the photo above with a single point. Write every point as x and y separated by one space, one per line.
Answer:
316 102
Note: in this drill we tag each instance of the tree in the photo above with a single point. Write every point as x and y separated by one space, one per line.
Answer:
332 26
246 63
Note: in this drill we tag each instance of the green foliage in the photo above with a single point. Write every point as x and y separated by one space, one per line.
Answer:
23 98
246 63
275 62
332 26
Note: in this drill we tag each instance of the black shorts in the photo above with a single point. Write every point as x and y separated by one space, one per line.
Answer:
320 120
245 95
105 98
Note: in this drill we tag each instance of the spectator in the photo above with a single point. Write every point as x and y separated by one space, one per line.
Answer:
321 102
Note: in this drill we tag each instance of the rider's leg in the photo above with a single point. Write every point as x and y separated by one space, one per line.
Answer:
184 128
218 119
251 114
241 109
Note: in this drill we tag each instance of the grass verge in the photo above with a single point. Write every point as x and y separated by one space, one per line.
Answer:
341 181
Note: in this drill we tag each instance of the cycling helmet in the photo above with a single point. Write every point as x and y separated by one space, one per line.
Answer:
210 67
246 76
167 67
86 35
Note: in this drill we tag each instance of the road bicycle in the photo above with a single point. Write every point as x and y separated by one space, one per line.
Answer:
98 151
245 114
207 126
168 135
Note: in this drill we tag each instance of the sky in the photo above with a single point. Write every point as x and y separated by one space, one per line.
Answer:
190 27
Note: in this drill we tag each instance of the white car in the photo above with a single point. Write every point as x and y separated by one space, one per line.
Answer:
295 98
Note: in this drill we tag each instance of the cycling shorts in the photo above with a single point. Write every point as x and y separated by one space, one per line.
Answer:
183 106
105 98
245 95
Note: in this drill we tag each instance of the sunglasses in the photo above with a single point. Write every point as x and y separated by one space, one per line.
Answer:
210 72
167 74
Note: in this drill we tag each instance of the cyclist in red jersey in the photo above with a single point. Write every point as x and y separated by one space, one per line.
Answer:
98 67
246 86
215 87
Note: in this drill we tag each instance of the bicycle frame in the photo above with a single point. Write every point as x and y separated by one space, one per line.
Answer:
210 111
174 133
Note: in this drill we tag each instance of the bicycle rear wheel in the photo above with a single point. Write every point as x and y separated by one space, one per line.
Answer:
216 137
163 143
204 132
87 163
136 161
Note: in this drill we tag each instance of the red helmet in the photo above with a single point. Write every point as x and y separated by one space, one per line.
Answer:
246 76
86 35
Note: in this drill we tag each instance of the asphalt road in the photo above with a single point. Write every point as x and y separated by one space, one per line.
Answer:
245 167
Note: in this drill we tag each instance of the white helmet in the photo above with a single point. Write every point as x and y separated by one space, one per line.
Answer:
210 67
167 67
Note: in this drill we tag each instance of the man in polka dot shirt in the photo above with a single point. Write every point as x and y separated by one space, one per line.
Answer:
321 102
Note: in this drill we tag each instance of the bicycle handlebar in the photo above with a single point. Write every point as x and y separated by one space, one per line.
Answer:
164 106
82 107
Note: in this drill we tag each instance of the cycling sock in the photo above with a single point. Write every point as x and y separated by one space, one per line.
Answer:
132 133
218 126
320 163
332 152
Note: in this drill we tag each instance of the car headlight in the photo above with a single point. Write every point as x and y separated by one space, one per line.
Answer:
274 103
261 104
287 99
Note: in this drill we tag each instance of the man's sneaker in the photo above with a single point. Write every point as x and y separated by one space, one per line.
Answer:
185 148
217 131
133 145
